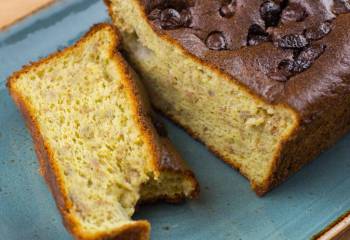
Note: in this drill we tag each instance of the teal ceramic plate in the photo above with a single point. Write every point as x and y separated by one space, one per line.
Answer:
226 209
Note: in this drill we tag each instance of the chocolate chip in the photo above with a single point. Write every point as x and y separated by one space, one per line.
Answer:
302 61
256 35
312 53
256 29
170 19
341 6
293 41
228 10
270 12
307 57
301 66
216 41
286 66
294 12
318 32
155 14
186 17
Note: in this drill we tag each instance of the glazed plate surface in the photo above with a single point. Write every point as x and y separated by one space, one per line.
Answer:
227 208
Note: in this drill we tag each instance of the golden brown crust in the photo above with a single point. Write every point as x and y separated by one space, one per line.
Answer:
172 163
137 230
43 152
140 113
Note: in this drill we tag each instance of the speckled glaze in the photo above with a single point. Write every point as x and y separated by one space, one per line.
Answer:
227 208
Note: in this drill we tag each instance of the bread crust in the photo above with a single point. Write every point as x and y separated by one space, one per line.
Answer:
138 230
172 163
290 154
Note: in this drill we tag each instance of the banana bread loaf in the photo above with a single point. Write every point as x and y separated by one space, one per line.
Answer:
264 84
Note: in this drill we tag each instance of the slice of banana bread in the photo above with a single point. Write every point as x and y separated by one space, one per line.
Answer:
97 147
264 84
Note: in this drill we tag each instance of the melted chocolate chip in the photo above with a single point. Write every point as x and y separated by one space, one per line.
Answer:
286 66
270 12
228 10
302 61
318 32
291 41
294 12
307 57
341 6
256 29
256 35
216 41
170 19
155 14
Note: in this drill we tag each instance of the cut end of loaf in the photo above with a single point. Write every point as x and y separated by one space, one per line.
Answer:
240 127
93 137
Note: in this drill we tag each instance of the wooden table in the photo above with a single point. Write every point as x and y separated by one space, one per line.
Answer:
12 11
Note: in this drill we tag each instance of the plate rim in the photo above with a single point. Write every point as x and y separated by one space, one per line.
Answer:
336 229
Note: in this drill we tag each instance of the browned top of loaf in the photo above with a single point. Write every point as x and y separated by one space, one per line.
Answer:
294 52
